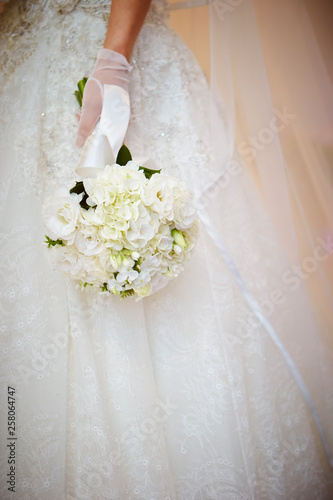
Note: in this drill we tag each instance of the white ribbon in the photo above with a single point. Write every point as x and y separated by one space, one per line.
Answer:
102 146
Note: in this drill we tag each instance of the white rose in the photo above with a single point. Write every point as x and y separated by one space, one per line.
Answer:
148 196
69 261
161 187
106 261
62 215
184 209
88 241
175 267
95 272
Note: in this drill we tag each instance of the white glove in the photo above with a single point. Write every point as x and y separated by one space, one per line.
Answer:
111 68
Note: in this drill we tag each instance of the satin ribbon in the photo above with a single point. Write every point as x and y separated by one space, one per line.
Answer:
102 146
205 219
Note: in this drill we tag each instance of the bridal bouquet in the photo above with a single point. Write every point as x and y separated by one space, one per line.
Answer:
126 231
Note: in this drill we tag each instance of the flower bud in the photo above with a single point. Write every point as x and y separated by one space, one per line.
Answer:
179 238
177 249
144 290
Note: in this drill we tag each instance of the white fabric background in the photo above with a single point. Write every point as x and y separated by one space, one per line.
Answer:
182 395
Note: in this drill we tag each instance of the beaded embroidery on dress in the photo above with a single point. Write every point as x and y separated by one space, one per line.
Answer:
181 395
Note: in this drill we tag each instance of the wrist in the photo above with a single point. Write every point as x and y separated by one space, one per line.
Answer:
118 47
112 55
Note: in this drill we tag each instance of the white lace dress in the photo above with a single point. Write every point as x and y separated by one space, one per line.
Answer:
181 395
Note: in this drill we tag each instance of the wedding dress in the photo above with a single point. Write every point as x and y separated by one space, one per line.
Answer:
182 395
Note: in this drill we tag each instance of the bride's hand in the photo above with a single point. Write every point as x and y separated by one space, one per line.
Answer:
111 68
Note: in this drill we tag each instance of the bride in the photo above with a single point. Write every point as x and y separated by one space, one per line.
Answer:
188 393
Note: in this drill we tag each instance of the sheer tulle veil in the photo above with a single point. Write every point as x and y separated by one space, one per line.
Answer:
272 96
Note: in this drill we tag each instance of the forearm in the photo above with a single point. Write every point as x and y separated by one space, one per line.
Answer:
125 22
2 4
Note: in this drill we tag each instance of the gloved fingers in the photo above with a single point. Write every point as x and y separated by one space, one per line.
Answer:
91 111
111 68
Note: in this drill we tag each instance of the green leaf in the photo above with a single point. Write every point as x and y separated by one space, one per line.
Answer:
136 266
84 204
82 84
79 93
53 243
104 287
78 97
127 293
78 188
124 156
149 172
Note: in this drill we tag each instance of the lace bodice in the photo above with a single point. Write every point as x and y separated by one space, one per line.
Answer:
22 20
32 10
157 11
